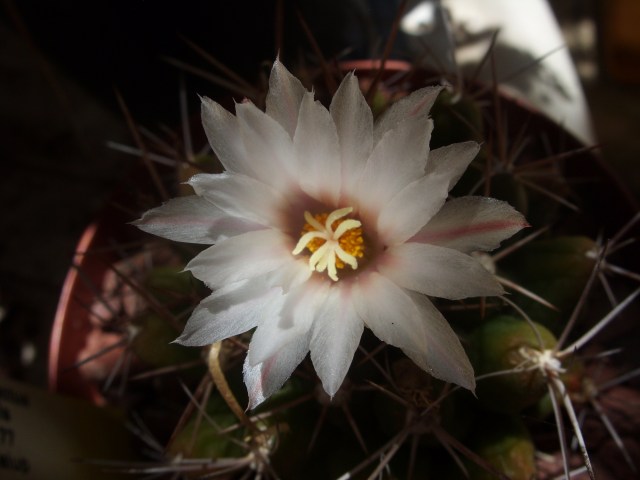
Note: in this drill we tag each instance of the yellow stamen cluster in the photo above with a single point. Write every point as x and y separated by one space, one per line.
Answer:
334 241
351 242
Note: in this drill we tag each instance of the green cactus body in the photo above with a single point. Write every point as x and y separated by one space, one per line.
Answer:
152 342
499 346
458 119
170 285
504 442
200 438
557 270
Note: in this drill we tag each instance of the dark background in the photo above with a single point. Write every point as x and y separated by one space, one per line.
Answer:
60 62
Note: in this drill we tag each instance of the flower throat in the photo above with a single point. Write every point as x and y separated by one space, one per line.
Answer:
333 240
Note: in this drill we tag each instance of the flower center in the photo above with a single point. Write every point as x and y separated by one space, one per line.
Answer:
334 241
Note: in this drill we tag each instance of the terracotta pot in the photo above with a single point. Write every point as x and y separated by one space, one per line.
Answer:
71 326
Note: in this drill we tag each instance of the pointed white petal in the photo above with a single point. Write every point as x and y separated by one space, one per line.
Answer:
451 161
317 153
444 357
416 104
336 334
192 219
438 272
470 224
230 311
290 275
284 97
408 211
223 133
293 321
389 312
266 378
241 196
410 322
267 144
354 124
241 257
396 161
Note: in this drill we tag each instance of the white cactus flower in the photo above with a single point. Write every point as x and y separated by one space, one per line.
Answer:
325 222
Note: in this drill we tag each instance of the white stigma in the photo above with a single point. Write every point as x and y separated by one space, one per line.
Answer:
324 258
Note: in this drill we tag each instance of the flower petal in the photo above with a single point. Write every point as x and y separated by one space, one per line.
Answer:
192 219
293 321
284 97
470 224
334 339
408 211
316 149
223 133
266 378
389 312
268 145
444 357
354 124
241 257
396 161
241 196
230 311
438 272
410 322
416 104
451 161
290 275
